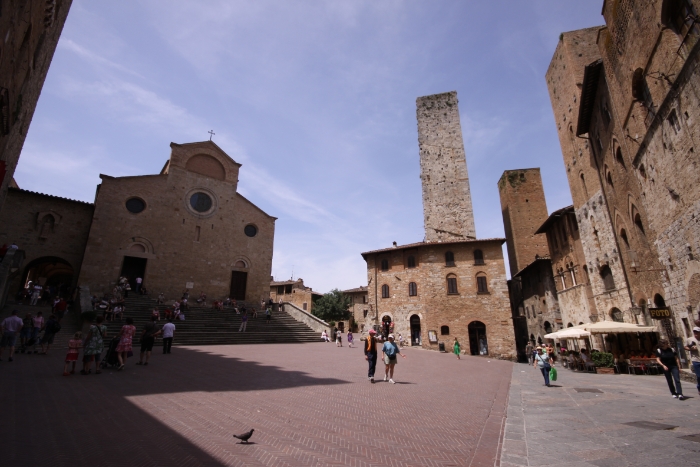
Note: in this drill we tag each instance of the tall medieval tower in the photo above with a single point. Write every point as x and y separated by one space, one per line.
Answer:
524 210
447 202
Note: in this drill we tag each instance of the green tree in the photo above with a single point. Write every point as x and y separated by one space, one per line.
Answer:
332 306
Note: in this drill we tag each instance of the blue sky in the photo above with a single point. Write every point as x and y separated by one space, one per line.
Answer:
315 98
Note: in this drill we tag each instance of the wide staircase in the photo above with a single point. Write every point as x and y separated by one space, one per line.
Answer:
207 326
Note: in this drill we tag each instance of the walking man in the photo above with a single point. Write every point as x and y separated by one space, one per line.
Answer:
692 346
168 334
528 351
148 338
139 281
268 315
667 357
10 327
244 322
371 354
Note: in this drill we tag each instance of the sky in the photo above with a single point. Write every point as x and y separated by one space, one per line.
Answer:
315 98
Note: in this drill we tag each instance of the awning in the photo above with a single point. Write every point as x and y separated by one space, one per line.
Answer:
568 333
612 327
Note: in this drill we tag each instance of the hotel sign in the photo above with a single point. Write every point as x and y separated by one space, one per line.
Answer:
660 313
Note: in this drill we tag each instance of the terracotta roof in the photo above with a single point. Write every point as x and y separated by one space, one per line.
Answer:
422 244
49 196
537 260
282 282
362 288
553 216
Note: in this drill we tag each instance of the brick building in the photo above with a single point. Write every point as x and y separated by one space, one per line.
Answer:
359 306
452 284
184 228
294 292
30 32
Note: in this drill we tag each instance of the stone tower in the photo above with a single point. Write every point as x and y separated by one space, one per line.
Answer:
447 202
524 211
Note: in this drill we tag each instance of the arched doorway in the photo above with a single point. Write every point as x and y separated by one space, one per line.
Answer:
478 345
659 301
386 325
415 330
616 315
53 271
547 327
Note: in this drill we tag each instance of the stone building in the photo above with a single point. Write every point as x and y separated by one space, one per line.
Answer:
452 284
51 231
359 307
294 292
186 228
30 32
632 134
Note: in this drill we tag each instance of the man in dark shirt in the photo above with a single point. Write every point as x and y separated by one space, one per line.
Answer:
148 338
667 357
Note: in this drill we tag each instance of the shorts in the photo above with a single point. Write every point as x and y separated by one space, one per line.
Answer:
390 361
8 339
72 357
89 358
26 332
147 344
48 337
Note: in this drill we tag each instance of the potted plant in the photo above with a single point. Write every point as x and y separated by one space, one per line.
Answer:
604 362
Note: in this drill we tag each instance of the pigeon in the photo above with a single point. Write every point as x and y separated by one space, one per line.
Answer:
245 436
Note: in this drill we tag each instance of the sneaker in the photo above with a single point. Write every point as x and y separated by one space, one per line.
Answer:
392 381
371 380
385 378
681 397
675 396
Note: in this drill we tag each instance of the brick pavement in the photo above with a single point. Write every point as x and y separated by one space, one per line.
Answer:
310 404
562 426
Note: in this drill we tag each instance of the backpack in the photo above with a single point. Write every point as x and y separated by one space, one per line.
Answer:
55 327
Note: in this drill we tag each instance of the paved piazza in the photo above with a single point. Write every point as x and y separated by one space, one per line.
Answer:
311 404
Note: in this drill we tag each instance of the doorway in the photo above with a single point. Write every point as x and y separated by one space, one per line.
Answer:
477 338
386 326
239 279
415 330
134 267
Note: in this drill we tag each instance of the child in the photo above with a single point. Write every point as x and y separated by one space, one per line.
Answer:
74 346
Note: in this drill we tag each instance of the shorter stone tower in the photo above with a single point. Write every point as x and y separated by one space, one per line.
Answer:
447 202
524 210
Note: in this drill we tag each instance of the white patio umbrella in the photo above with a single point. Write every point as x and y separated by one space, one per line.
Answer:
568 333
611 327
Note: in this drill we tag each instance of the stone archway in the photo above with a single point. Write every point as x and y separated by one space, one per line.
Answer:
478 345
53 271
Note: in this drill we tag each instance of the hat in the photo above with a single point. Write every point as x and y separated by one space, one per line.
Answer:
372 331
538 348
696 329
391 336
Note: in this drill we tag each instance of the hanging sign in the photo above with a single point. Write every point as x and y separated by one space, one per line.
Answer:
660 313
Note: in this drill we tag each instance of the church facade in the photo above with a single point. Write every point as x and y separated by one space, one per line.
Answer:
186 228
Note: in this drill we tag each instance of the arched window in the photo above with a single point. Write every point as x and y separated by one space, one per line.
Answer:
659 301
616 315
385 291
608 178
452 284
607 276
385 265
618 157
444 330
623 236
570 325
449 259
547 327
638 223
481 283
411 261
412 289
478 257
583 184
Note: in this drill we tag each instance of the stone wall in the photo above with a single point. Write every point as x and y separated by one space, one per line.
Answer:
300 295
433 305
30 32
447 204
49 229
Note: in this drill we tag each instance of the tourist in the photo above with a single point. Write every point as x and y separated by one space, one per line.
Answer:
74 346
390 350
202 300
126 336
118 310
148 338
244 322
61 309
139 281
280 304
262 304
692 346
143 290
227 302
371 353
155 314
161 299
36 293
456 349
168 314
126 288
168 334
255 313
324 336
550 352
529 352
338 339
94 345
587 363
51 327
26 332
667 357
10 327
350 338
268 315
544 363
401 340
